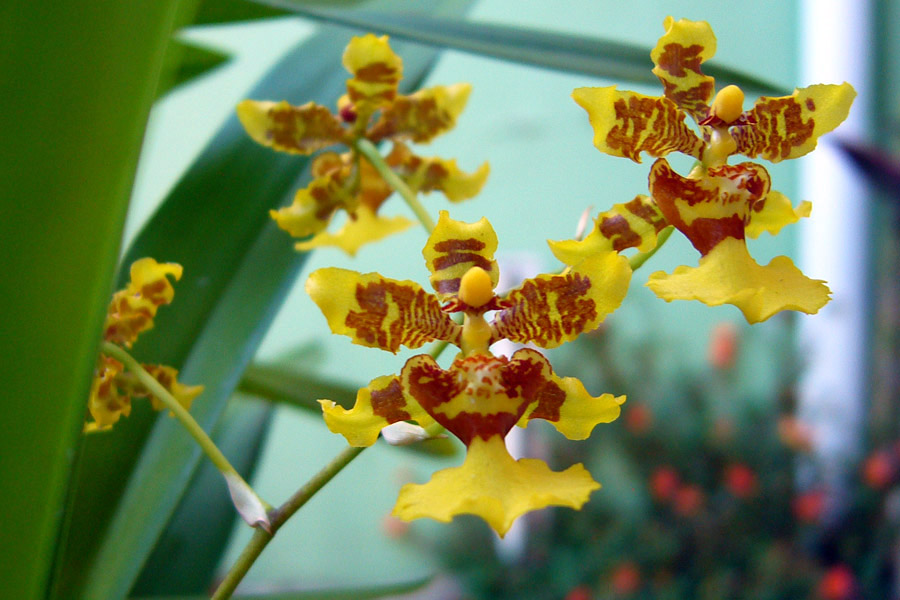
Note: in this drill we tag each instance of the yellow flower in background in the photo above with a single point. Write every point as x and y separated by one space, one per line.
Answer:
374 110
481 396
717 205
130 313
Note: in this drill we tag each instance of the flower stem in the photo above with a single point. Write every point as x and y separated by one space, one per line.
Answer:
639 259
280 515
251 507
367 149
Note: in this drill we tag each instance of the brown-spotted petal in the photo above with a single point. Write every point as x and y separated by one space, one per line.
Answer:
132 309
314 205
168 378
563 401
552 309
376 72
634 224
430 174
790 126
106 403
378 312
421 116
295 129
381 403
627 123
678 56
774 212
455 247
712 207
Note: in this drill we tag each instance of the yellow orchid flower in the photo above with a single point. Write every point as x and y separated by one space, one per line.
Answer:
481 396
130 313
717 205
374 110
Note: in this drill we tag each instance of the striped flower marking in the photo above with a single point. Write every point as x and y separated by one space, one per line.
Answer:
480 397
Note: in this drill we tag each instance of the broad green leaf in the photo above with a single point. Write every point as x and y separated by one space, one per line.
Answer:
76 84
233 11
187 554
303 390
558 51
238 267
185 61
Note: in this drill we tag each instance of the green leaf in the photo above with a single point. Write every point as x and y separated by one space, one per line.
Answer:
356 593
558 51
302 389
237 268
186 556
185 61
234 11
76 84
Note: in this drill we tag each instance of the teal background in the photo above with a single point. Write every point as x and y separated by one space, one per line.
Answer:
544 173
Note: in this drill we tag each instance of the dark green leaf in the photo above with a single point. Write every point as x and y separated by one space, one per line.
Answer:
233 11
76 84
186 556
237 268
558 51
185 61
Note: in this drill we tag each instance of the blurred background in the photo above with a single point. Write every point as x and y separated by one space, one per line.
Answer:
748 462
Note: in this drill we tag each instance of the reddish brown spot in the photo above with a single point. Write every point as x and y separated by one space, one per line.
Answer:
419 319
810 105
550 399
304 129
378 72
458 251
617 229
693 100
390 402
675 58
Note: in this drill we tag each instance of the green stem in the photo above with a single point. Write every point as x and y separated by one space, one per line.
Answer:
249 504
279 516
367 149
284 512
639 259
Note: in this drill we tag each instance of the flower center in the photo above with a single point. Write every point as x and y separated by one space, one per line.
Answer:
476 288
728 104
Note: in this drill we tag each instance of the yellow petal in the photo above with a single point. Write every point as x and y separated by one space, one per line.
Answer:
422 116
378 312
295 129
455 247
355 233
382 402
429 174
565 403
132 309
314 205
790 126
627 123
106 403
773 213
376 72
728 275
493 486
634 224
678 56
168 377
552 309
